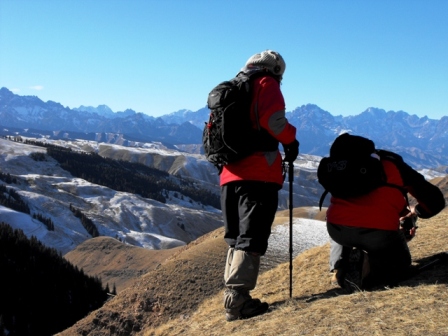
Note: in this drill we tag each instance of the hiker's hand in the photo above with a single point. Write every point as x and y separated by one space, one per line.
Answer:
407 225
409 234
291 151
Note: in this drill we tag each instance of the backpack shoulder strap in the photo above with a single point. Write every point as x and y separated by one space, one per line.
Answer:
399 162
322 198
391 156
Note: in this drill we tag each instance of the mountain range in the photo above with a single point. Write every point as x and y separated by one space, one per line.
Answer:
166 256
423 142
162 143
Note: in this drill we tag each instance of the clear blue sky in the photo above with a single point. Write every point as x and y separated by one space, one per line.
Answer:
160 56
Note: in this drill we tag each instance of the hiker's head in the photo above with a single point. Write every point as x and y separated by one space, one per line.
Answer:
351 145
270 60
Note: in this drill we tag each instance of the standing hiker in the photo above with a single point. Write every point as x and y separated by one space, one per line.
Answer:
370 232
249 187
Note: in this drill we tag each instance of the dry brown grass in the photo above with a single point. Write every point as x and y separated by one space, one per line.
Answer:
419 306
282 217
183 295
116 263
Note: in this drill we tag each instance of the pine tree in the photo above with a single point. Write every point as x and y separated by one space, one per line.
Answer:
2 326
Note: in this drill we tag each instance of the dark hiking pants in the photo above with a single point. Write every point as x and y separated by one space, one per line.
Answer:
248 209
388 251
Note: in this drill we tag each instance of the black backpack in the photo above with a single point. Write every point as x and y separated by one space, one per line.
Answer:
228 136
354 168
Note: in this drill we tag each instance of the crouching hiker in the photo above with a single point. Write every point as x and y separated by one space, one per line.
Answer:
250 185
371 229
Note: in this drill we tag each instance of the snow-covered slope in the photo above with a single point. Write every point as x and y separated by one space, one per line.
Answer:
49 190
306 189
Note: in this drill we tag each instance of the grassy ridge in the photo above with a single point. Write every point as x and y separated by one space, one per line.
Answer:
184 296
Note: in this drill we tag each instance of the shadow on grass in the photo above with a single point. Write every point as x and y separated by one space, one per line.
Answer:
431 270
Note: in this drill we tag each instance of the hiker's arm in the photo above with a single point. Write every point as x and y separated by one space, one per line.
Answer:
429 197
271 109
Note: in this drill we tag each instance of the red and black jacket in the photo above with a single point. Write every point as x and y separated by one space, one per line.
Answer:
382 208
267 112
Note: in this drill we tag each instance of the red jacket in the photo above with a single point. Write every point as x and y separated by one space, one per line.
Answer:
382 208
264 166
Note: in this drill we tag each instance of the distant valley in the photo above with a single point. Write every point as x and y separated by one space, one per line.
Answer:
171 144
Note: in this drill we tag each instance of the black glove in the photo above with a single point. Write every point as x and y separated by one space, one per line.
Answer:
291 151
407 225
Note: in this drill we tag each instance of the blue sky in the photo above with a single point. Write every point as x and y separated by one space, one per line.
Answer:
160 56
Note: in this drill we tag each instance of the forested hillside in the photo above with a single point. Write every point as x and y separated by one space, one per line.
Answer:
41 293
127 176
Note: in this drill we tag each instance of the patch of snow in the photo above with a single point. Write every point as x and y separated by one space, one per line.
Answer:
306 233
429 174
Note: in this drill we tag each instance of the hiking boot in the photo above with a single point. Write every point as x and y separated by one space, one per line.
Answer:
250 308
240 278
358 268
338 277
235 299
334 279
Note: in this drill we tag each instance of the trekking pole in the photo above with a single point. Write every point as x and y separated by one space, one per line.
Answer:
291 180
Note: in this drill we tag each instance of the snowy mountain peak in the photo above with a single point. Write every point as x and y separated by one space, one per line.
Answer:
102 110
375 111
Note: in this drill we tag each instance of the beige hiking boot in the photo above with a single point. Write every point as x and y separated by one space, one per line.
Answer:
242 305
240 277
251 308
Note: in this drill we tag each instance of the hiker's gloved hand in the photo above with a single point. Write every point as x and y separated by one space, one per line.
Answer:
409 234
407 225
291 151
